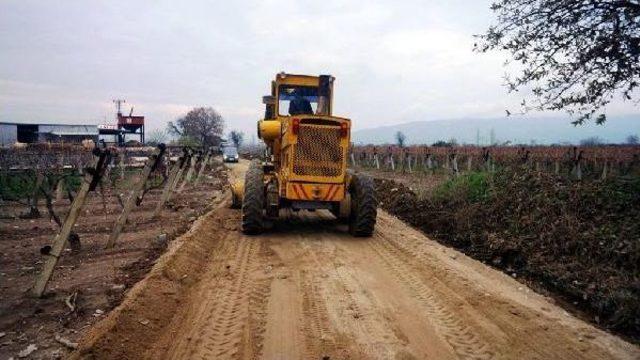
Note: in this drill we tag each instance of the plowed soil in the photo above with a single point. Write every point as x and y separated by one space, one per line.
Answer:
307 290
98 277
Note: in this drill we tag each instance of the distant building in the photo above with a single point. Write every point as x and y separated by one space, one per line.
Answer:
11 133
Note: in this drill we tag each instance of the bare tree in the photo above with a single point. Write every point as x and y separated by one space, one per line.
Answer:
236 137
591 141
633 140
574 55
202 125
400 139
156 137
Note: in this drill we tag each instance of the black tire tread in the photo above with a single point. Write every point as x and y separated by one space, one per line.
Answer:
253 200
364 206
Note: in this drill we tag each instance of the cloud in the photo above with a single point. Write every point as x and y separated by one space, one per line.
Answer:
394 61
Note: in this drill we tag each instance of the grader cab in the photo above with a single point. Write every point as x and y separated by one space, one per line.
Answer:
305 166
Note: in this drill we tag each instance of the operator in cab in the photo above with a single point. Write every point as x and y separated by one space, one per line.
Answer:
299 105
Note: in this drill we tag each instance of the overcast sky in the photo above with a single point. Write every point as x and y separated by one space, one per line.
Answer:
395 61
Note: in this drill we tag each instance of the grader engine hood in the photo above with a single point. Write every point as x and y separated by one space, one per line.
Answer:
317 148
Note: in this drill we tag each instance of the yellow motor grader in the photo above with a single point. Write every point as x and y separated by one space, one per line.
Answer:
305 165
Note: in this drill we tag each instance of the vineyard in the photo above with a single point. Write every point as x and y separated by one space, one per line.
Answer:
152 244
596 162
562 219
80 226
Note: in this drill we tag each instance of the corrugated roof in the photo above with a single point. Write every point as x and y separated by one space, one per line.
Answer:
70 133
43 123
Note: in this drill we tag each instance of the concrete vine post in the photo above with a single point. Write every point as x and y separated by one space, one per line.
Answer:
204 164
121 164
454 162
90 180
187 177
168 187
185 164
138 188
60 190
33 201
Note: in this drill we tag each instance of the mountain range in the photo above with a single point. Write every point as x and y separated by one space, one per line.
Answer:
513 130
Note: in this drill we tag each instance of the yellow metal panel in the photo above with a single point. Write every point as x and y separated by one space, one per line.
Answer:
314 191
269 129
302 80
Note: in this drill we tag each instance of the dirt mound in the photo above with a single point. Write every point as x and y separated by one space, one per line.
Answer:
577 239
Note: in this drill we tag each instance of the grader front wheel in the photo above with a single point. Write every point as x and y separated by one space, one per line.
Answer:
362 219
253 200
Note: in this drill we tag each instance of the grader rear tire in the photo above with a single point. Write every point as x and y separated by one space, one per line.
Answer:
253 200
364 206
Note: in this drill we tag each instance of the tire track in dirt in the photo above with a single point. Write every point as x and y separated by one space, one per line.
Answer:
230 322
465 343
356 315
320 340
259 296
221 330
502 315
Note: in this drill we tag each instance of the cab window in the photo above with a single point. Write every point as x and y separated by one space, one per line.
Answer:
297 100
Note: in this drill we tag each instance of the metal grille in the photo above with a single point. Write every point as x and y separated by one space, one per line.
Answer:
318 152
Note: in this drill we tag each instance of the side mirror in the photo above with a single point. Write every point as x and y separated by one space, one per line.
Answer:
268 100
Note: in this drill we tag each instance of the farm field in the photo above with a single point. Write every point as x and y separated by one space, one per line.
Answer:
306 289
561 219
90 282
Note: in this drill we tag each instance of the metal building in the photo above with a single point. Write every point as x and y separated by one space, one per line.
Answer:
11 133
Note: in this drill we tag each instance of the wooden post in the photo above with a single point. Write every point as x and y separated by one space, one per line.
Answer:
409 163
377 161
187 178
202 167
353 160
59 242
168 188
469 165
556 167
393 164
604 171
138 187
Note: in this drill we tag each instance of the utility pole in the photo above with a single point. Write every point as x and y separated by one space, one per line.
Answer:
119 103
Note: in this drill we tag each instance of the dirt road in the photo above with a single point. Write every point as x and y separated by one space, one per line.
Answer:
307 290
